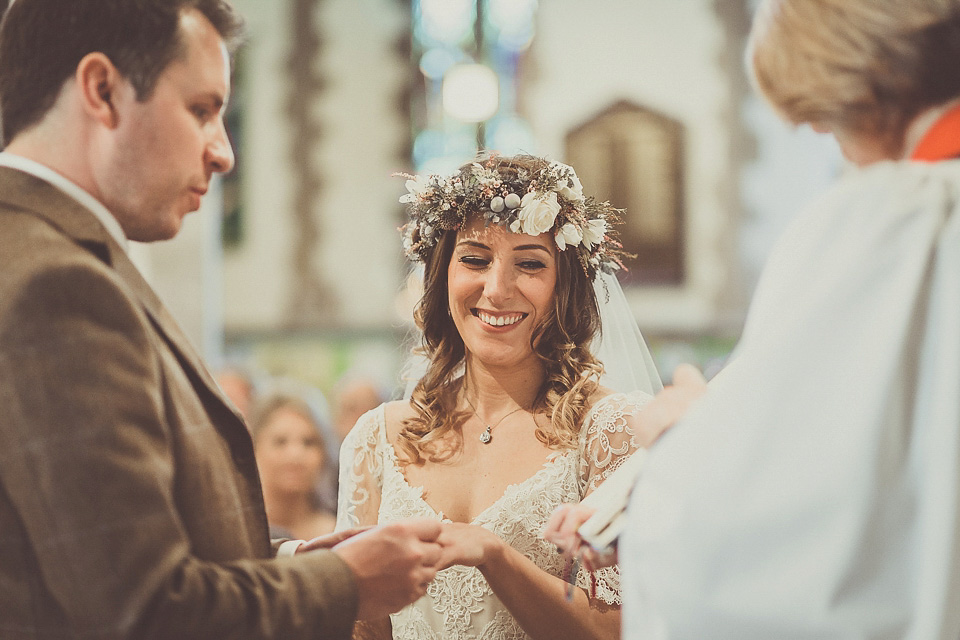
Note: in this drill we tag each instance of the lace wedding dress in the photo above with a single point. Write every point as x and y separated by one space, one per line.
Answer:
459 603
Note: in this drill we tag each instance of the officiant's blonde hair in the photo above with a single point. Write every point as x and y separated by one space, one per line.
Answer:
866 66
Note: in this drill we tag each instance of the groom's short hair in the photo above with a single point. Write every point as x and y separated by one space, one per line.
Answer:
43 41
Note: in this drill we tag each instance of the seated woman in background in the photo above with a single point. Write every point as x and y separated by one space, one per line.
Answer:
353 396
296 472
511 417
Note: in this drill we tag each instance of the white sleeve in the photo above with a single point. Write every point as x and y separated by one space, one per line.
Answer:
607 439
361 472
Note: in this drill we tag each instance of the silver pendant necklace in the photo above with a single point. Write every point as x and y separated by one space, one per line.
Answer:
486 437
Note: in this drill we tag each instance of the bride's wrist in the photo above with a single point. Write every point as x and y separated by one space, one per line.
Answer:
494 549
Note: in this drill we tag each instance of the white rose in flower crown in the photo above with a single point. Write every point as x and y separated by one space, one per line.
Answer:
593 232
416 187
571 189
538 212
568 234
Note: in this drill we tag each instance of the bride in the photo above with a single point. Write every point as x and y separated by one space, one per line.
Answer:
514 414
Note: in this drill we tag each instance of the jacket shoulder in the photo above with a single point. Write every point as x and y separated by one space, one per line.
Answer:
36 252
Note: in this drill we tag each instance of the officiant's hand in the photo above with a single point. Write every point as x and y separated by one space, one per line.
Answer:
671 404
561 530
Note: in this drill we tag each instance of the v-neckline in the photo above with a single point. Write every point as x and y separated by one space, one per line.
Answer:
551 461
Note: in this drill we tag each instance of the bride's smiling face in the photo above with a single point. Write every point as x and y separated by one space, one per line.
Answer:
500 286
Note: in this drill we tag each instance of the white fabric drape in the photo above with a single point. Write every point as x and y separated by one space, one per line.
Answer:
814 492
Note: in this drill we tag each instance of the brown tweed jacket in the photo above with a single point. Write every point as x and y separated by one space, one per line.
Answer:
130 505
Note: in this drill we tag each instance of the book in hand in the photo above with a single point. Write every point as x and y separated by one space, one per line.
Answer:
610 500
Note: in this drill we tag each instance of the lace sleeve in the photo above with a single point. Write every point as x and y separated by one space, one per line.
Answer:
607 439
361 472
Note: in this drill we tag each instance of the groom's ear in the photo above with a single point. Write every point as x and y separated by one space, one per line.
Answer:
100 83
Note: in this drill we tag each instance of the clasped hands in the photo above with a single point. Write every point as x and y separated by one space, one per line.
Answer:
394 563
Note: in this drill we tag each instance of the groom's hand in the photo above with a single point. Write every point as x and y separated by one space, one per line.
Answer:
392 563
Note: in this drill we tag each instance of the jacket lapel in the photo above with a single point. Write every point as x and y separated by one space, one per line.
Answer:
20 190
166 323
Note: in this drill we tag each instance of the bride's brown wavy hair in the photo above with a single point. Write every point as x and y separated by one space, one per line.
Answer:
561 341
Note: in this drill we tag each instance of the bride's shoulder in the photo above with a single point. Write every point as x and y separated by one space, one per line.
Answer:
599 394
604 396
610 421
395 413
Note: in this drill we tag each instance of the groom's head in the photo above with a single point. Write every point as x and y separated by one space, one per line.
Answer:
123 97
43 41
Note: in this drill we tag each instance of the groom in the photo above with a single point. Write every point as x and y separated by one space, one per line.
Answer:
130 505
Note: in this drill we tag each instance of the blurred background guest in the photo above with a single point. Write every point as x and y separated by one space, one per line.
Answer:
353 396
237 383
296 469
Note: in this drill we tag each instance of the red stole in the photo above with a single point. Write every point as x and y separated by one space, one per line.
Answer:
942 140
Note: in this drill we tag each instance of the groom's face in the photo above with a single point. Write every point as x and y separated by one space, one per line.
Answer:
169 146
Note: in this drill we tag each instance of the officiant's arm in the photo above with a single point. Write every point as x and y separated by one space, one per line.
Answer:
670 405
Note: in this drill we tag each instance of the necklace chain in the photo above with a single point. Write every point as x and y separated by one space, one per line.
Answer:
486 437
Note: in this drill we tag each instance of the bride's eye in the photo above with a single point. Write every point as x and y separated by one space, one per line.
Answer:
474 262
532 265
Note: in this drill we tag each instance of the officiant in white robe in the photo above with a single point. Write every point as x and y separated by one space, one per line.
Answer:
813 491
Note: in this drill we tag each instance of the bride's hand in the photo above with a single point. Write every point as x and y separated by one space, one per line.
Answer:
466 544
330 540
561 530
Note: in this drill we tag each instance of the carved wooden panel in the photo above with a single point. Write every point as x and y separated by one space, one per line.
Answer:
632 156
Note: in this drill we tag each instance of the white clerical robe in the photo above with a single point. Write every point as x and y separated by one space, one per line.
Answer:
814 491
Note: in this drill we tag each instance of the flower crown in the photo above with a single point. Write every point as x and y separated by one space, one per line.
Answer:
525 194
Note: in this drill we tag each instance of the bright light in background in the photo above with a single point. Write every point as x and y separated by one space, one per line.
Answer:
447 21
470 60
435 62
514 20
471 92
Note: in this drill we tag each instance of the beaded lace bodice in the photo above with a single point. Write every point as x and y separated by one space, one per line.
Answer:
459 603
